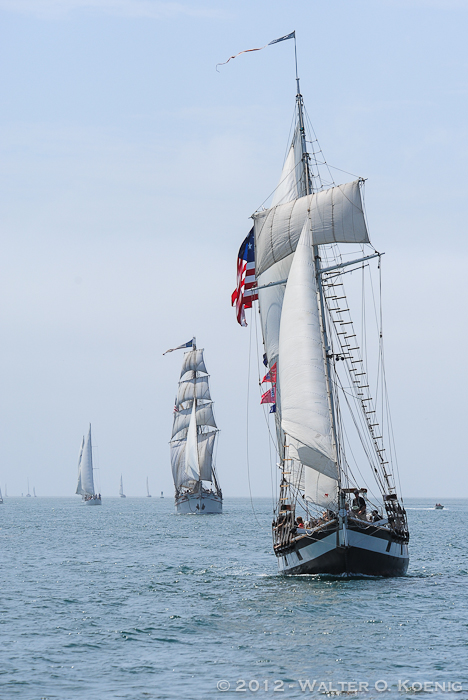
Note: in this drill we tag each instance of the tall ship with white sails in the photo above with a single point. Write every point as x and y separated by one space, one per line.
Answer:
85 485
338 510
192 446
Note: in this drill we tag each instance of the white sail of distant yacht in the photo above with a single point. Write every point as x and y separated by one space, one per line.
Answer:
194 433
1 498
28 495
320 386
34 492
85 485
121 493
148 495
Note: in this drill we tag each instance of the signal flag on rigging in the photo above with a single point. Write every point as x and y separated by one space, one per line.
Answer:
269 396
270 376
245 292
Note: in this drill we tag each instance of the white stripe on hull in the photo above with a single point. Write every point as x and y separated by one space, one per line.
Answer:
372 551
194 504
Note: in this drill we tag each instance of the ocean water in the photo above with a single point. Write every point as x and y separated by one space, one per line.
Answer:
132 601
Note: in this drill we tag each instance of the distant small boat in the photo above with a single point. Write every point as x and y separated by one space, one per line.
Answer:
162 495
34 492
148 495
28 495
1 498
439 506
121 493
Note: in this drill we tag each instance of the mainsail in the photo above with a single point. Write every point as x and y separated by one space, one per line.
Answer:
194 428
305 409
85 485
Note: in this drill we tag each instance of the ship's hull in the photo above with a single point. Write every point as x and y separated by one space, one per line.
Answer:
198 504
367 550
93 502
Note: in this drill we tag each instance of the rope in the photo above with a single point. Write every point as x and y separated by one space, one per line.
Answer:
247 425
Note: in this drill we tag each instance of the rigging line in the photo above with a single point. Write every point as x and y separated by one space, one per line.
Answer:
356 463
265 415
264 411
247 425
368 449
364 426
387 399
344 171
278 186
385 403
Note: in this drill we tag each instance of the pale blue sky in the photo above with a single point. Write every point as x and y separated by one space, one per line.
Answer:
129 168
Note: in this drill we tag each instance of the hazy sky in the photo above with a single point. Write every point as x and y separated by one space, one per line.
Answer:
129 168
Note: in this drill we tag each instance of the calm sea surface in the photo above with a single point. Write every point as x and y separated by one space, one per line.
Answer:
131 601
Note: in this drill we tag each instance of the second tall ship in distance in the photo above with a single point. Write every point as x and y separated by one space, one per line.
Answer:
194 431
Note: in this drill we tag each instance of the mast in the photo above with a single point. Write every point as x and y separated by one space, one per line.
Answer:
317 259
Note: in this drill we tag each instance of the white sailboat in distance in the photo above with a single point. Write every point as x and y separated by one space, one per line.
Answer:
28 495
148 495
194 433
1 498
85 486
121 493
338 511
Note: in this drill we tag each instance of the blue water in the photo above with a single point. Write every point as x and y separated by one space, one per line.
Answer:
131 601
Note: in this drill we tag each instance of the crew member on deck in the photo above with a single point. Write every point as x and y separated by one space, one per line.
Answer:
359 505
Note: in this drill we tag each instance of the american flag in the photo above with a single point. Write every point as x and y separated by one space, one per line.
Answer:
176 408
245 292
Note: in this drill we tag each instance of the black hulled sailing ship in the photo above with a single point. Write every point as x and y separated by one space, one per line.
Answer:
327 520
194 432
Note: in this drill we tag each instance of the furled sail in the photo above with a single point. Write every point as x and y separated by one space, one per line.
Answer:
204 416
196 387
87 481
336 215
305 411
194 361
